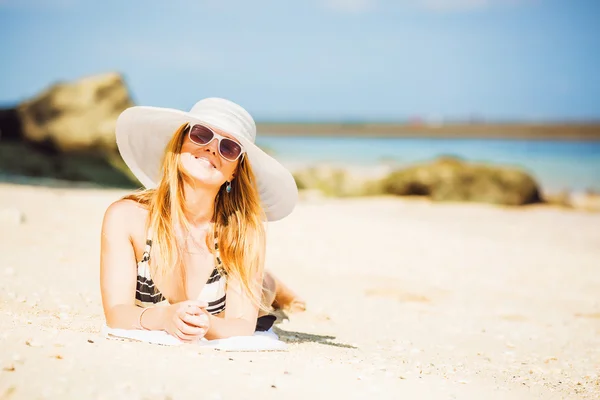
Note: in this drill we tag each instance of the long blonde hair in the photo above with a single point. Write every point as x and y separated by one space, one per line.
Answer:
237 223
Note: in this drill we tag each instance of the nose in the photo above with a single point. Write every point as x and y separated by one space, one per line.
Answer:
213 146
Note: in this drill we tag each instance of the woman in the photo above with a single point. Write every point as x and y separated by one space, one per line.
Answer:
197 232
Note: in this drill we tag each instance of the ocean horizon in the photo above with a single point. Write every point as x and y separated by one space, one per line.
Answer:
557 165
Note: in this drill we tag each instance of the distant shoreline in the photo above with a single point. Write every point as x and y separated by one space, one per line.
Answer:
563 131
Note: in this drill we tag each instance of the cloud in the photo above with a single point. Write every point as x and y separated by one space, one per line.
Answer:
351 6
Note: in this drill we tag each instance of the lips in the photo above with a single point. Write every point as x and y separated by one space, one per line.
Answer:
206 160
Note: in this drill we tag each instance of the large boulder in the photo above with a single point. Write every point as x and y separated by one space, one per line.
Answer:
80 115
67 132
450 179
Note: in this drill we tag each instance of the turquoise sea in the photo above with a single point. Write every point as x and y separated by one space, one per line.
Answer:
557 165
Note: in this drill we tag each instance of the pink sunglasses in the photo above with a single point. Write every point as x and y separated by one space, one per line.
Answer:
229 149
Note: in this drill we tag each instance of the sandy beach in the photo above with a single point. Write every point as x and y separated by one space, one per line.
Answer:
406 300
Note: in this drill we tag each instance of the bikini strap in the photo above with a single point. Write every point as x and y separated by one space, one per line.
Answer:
148 247
219 263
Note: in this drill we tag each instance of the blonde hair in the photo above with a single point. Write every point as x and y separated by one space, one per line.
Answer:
237 223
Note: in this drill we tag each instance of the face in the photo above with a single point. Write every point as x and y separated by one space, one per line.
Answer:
205 163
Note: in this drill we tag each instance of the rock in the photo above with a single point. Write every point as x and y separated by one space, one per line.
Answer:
10 124
76 115
450 179
67 133
329 181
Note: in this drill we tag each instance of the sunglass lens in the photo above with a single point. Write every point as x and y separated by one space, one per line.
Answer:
200 134
230 149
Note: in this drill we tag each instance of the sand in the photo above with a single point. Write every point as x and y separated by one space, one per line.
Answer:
406 299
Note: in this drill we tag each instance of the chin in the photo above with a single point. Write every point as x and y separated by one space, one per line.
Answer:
203 174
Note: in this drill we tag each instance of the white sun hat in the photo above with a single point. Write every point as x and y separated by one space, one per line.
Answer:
143 134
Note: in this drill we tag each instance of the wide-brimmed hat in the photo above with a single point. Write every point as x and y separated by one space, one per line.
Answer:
144 132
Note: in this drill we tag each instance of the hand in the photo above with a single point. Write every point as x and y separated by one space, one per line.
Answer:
198 317
187 320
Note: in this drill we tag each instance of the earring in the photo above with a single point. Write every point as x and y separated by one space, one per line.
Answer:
228 187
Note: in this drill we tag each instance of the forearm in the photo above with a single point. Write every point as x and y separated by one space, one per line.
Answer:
127 316
223 328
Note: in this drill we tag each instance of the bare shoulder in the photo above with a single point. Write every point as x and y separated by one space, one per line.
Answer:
124 216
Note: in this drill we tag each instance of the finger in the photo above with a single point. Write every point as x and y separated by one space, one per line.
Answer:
181 311
179 334
188 329
198 303
196 320
193 309
185 338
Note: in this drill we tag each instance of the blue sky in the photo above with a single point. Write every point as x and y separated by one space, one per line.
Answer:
319 60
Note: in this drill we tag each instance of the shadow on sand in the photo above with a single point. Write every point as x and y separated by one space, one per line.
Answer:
302 337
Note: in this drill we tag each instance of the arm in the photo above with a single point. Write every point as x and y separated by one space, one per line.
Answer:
240 315
241 312
118 275
118 278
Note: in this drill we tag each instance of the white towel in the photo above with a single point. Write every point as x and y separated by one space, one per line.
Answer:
260 341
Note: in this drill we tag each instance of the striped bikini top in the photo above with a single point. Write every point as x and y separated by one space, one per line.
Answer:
213 292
